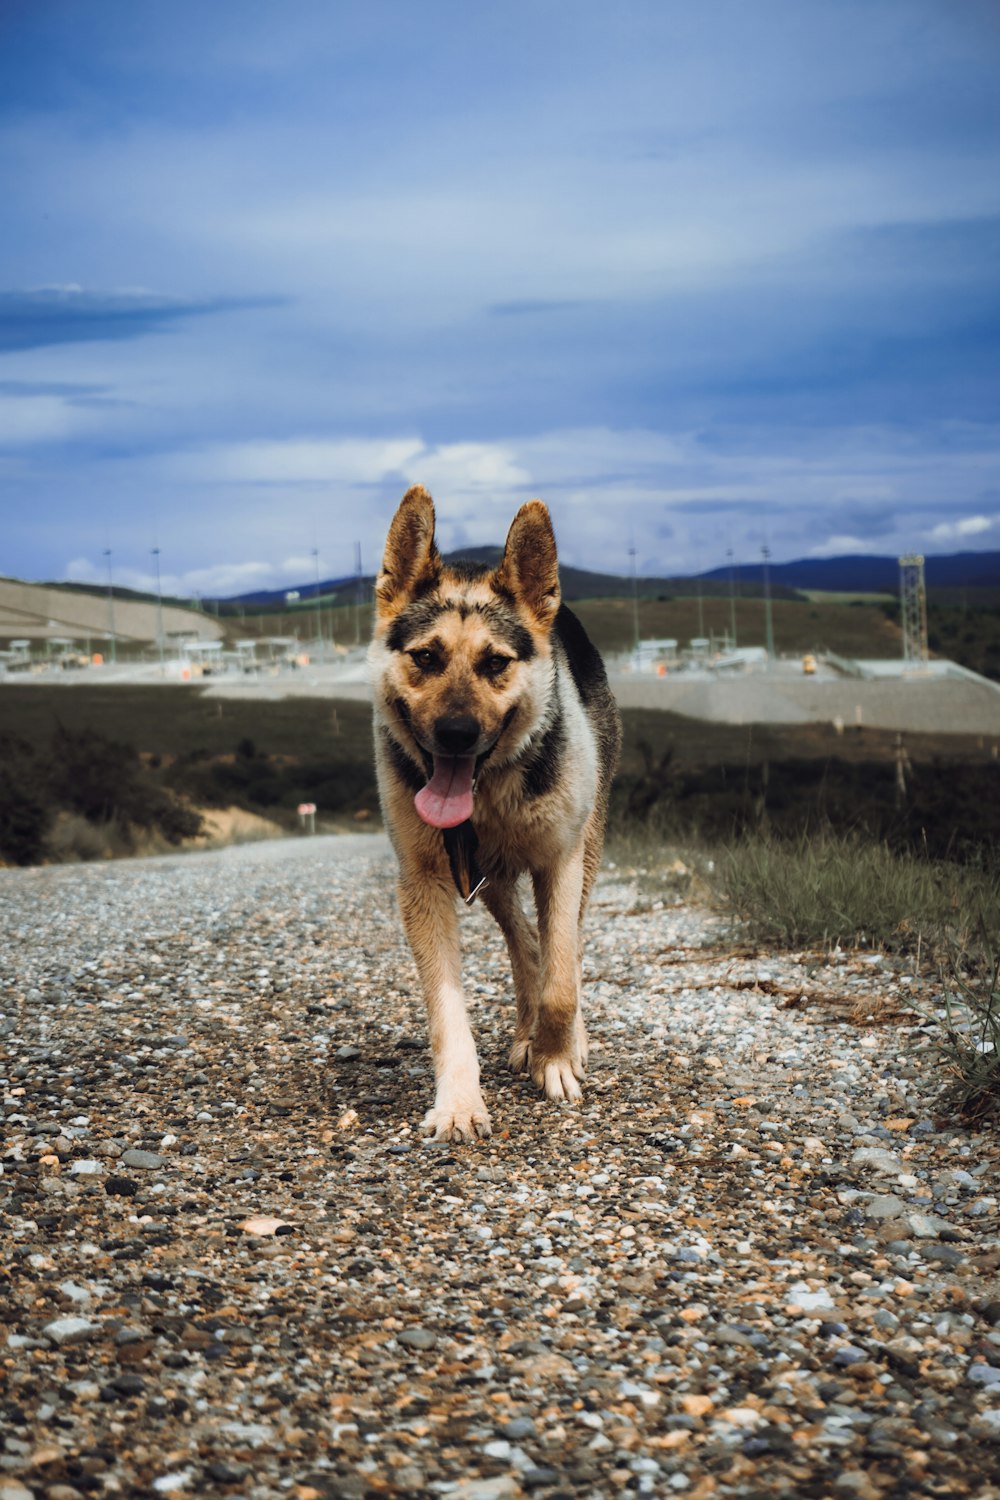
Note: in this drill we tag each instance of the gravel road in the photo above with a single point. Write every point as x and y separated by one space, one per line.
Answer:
754 1262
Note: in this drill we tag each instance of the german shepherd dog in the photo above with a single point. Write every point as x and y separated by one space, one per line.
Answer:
496 740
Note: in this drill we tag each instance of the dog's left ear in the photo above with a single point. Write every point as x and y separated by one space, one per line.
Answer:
529 568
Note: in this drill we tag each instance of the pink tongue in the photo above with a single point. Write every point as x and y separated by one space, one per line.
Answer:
446 800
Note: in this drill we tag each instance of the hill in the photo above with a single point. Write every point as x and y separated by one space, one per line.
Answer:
874 575
861 574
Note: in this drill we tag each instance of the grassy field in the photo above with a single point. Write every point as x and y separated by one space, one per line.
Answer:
680 777
852 628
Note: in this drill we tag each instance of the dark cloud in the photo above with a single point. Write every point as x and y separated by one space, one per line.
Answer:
38 318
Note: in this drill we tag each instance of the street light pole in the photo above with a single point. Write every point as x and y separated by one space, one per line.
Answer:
635 608
111 609
732 599
159 606
765 553
319 609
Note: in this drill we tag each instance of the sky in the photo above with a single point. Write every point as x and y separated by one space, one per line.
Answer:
704 277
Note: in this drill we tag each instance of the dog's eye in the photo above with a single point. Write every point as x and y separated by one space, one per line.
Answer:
495 666
426 660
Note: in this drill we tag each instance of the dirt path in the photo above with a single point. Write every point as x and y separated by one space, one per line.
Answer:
753 1262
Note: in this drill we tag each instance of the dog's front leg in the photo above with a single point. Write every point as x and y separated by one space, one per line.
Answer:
427 904
557 1049
502 900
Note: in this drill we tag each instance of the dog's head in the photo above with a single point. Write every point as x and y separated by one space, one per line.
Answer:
462 653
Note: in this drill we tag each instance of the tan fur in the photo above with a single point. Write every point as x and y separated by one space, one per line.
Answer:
541 818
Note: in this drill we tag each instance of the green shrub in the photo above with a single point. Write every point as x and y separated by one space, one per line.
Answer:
970 1014
844 889
26 809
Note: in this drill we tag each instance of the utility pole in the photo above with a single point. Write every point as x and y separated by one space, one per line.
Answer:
765 553
111 609
358 593
635 608
319 609
732 599
159 606
913 608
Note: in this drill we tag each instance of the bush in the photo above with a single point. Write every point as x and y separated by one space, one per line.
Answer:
848 890
26 809
84 799
950 810
970 1017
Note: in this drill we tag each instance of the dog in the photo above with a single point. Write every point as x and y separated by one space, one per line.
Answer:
496 740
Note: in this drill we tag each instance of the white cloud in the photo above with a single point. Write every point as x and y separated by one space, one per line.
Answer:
456 469
953 531
217 581
838 546
300 461
25 420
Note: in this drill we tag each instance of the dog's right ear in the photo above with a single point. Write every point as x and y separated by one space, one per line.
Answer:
411 564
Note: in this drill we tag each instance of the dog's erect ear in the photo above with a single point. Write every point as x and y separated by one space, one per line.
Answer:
411 563
529 569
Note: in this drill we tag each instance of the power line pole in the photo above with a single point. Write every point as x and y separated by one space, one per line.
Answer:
159 606
732 599
913 609
635 608
358 593
319 609
765 553
111 609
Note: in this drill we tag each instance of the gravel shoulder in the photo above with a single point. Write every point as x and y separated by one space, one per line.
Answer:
754 1261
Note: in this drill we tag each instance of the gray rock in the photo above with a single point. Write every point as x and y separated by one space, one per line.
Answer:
417 1338
876 1159
146 1160
926 1226
885 1206
70 1330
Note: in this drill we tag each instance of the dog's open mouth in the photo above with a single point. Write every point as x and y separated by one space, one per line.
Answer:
446 800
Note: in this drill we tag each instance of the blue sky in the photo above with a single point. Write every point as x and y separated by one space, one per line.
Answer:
702 276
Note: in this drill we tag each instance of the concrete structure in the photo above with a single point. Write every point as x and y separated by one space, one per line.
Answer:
39 613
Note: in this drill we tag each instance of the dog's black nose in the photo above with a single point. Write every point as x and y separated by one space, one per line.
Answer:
456 735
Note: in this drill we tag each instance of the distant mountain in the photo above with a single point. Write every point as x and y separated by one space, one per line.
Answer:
874 575
577 583
850 574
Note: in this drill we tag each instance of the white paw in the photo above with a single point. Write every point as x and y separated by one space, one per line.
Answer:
558 1077
468 1121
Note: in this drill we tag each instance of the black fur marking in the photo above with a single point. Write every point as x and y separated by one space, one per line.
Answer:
582 656
420 615
466 570
412 621
508 719
541 772
409 773
509 630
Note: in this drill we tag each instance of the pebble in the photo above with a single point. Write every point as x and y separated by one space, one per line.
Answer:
70 1330
709 1278
147 1161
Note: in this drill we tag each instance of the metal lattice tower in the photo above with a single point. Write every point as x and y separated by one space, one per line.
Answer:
913 605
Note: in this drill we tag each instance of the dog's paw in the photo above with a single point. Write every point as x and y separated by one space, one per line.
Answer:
559 1077
582 1043
458 1122
520 1054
